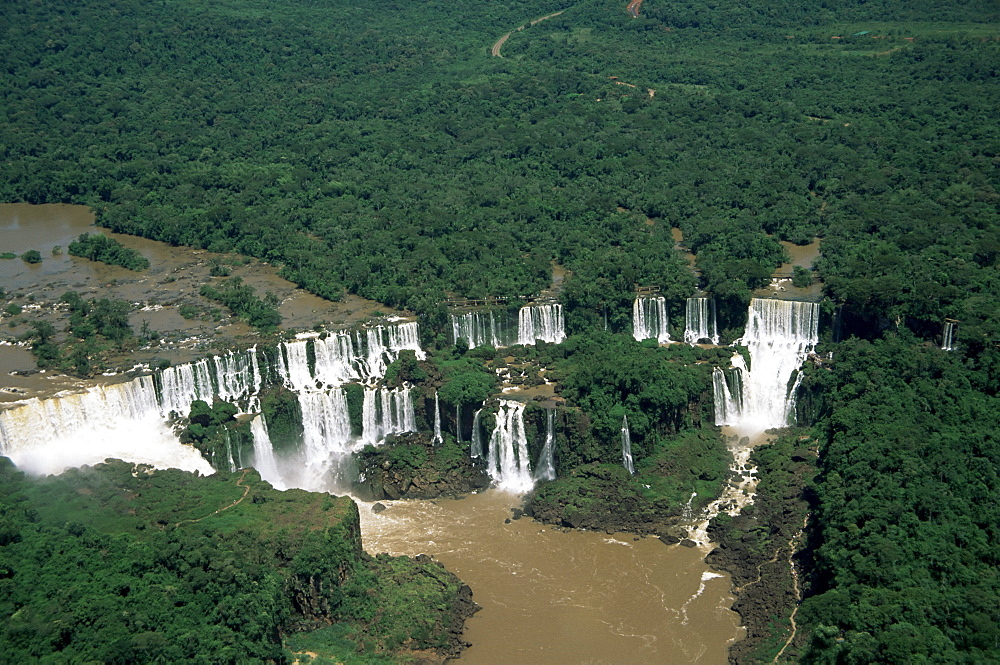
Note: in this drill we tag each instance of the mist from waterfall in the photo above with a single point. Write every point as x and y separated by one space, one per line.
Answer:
130 420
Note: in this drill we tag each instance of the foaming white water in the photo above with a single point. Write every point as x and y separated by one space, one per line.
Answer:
649 319
130 420
545 469
507 462
387 411
627 447
490 328
121 421
780 334
540 322
699 321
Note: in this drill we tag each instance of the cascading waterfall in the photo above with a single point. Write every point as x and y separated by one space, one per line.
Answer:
545 469
649 319
627 447
948 336
124 421
263 453
477 437
780 334
387 411
540 322
489 328
699 321
130 420
507 462
437 420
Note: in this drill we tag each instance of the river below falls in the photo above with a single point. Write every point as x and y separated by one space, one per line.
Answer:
560 596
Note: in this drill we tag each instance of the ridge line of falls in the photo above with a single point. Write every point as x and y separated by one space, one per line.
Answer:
627 447
437 420
477 437
545 468
649 319
699 321
131 419
507 462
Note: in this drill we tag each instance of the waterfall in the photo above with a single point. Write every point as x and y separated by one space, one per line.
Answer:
540 322
458 423
649 319
507 462
437 419
387 411
727 409
699 321
130 420
477 437
779 335
488 328
545 469
263 453
948 336
627 447
124 421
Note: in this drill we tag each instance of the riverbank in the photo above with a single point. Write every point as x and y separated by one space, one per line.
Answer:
761 548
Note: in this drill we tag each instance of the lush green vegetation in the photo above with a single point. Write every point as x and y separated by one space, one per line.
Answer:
907 515
123 565
240 298
98 247
96 329
387 154
32 256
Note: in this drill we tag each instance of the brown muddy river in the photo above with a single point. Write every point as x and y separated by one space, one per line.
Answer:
553 596
173 279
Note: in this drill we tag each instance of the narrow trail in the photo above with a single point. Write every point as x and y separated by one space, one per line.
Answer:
495 50
795 585
239 483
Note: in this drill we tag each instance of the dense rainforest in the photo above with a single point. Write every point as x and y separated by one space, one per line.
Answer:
121 563
380 149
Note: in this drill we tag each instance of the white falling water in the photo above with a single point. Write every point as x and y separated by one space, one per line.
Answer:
540 322
699 321
649 319
545 469
507 462
490 328
263 453
122 421
727 408
130 420
437 420
627 447
948 336
477 437
387 411
780 334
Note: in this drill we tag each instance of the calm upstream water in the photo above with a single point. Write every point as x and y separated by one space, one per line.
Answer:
553 596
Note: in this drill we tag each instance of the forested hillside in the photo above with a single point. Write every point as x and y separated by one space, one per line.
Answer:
380 149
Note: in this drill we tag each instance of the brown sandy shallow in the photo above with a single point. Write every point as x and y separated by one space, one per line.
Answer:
174 278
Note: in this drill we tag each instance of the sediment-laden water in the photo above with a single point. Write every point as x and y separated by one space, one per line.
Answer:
554 596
